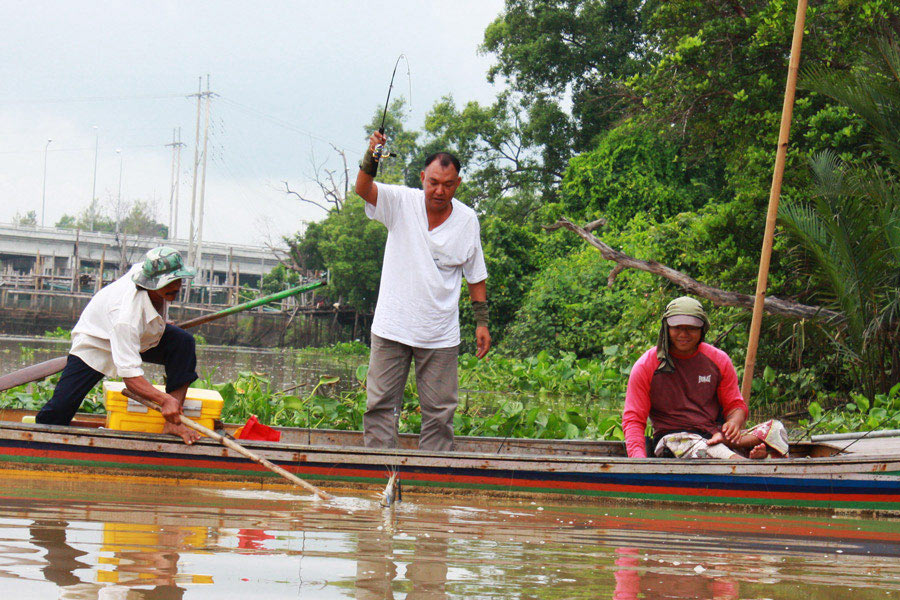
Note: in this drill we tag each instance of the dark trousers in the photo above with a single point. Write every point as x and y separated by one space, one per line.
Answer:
176 351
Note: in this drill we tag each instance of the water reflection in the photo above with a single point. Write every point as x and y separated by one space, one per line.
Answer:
131 556
73 539
652 581
61 559
426 571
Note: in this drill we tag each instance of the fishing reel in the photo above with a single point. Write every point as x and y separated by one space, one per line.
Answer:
379 152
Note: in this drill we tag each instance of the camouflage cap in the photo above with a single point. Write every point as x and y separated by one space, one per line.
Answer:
162 266
684 306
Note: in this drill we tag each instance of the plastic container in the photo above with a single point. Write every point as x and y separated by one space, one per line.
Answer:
254 430
124 414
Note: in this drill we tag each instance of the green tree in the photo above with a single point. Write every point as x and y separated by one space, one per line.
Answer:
850 230
29 219
634 170
352 248
303 248
139 220
512 256
278 279
66 222
557 52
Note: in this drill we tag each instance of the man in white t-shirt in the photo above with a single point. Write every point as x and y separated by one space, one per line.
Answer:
433 242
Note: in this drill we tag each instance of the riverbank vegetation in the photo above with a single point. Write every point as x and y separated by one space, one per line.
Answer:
537 397
657 123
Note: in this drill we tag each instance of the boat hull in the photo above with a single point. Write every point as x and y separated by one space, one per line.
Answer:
868 483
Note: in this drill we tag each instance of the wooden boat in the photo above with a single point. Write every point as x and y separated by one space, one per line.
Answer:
864 479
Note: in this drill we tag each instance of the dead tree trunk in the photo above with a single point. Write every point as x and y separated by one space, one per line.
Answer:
717 296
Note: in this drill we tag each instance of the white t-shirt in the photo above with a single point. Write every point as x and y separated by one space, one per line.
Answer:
418 300
117 325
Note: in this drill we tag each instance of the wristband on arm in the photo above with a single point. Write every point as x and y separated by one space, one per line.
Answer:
481 313
369 164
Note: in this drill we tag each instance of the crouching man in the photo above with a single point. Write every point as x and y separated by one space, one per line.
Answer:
123 326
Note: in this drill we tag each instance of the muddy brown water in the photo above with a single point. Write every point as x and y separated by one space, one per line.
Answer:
64 538
285 367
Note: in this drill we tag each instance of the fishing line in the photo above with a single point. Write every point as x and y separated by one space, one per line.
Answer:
864 436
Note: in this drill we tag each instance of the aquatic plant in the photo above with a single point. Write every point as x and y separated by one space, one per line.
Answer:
860 414
59 334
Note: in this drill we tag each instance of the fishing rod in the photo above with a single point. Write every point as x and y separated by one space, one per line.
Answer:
379 151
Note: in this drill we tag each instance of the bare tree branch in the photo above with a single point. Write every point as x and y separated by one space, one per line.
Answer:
346 170
287 188
717 296
334 189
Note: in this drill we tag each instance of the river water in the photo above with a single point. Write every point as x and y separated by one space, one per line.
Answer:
285 367
63 538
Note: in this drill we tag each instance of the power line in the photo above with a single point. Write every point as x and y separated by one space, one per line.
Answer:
57 150
92 99
280 122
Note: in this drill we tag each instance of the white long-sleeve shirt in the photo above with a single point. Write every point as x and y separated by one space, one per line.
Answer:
117 325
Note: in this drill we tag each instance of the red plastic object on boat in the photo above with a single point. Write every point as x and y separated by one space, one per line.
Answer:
254 430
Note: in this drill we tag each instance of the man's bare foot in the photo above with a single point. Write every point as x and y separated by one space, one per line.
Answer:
759 451
188 435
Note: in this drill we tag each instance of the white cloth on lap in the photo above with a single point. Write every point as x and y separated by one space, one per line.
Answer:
774 435
691 445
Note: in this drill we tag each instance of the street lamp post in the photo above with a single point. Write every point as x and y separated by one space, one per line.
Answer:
44 185
119 196
93 208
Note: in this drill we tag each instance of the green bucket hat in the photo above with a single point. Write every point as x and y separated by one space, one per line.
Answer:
676 310
162 266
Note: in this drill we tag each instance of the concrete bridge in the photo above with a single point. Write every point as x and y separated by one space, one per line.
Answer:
49 251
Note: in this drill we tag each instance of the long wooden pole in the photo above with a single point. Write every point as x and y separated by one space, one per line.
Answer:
55 365
774 195
231 444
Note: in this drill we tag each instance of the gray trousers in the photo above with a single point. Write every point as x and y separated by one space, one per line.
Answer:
436 380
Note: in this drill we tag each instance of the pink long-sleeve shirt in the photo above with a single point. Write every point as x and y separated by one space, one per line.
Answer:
695 397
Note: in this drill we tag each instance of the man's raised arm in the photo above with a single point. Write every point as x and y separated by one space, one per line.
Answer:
368 168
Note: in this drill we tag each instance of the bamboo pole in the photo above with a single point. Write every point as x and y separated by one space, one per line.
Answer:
232 445
774 196
99 285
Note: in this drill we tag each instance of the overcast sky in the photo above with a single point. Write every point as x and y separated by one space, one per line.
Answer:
291 78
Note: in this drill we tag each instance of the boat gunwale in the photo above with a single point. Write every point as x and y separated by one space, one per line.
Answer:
293 453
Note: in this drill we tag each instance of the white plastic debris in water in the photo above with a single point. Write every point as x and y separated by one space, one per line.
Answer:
699 569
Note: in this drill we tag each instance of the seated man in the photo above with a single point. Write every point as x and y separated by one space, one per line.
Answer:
690 392
123 325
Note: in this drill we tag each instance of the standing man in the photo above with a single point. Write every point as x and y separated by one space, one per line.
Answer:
123 326
433 242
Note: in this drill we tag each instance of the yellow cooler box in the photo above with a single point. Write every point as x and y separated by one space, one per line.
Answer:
202 406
